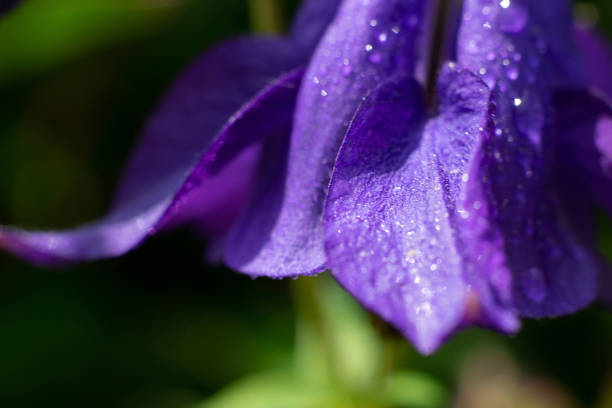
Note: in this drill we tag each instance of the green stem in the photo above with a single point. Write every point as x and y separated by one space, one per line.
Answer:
314 352
267 16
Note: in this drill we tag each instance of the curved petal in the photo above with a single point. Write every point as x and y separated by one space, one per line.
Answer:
367 42
198 157
524 50
581 136
597 57
393 232
174 175
311 21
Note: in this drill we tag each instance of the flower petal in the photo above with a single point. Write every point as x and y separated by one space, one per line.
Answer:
393 237
524 50
597 57
367 42
217 102
520 44
582 139
311 21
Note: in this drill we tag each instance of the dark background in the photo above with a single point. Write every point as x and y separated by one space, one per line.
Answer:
158 328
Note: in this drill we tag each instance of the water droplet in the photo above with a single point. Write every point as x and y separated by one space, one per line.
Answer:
512 19
529 116
464 214
513 73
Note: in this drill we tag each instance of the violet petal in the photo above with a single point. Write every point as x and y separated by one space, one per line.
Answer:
366 43
393 209
524 50
597 57
198 157
581 137
311 22
217 102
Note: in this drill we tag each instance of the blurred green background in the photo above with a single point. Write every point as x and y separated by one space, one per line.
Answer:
158 328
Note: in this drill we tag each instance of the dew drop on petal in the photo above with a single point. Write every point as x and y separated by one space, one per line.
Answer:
513 18
513 73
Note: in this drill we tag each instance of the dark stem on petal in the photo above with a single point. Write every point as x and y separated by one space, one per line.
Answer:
442 44
436 50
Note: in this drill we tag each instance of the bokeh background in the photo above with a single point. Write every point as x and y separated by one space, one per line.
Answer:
160 329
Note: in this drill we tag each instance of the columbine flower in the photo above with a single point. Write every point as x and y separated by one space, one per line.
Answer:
474 209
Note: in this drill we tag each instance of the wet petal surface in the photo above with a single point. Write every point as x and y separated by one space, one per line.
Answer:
394 213
367 43
524 50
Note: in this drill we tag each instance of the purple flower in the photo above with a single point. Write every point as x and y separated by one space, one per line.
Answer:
467 205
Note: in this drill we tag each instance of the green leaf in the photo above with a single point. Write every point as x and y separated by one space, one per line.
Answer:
412 389
42 34
335 339
275 390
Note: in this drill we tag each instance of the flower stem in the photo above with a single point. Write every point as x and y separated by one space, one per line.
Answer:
267 16
314 354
